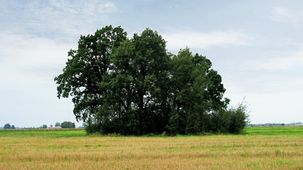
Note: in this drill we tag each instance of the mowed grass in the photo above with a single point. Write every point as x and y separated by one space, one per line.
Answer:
275 130
43 133
257 148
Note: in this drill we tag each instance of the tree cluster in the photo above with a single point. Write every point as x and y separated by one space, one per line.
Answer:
9 126
135 86
67 124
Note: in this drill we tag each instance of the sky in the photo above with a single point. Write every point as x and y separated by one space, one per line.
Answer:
256 46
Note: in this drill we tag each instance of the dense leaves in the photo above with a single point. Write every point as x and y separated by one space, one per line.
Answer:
134 86
196 93
85 68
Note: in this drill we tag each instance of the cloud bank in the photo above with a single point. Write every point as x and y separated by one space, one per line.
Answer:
205 40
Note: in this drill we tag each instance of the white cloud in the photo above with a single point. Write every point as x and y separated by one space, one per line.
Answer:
57 18
291 61
30 60
66 9
181 39
285 15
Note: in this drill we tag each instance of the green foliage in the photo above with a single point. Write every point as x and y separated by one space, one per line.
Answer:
231 120
134 86
67 124
196 92
238 119
138 85
86 67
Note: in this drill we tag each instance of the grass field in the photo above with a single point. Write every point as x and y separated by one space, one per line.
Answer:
257 148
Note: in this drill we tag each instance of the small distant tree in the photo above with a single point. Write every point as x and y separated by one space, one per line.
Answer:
58 124
44 126
7 126
13 127
68 124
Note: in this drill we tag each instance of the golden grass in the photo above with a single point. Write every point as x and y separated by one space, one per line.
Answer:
192 152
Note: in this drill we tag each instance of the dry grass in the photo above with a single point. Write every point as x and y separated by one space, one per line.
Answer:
191 152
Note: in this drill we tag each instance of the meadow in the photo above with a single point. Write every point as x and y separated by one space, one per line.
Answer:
256 148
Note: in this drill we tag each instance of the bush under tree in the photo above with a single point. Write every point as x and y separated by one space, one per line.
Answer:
134 86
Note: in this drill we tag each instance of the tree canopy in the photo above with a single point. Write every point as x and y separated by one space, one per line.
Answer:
135 86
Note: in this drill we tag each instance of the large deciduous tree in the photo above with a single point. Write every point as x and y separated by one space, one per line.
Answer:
139 82
196 93
86 68
134 86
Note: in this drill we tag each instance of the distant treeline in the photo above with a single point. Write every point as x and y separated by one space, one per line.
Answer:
65 124
276 124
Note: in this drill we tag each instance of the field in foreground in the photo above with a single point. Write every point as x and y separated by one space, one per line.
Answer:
258 148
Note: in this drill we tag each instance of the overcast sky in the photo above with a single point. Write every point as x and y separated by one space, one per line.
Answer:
257 47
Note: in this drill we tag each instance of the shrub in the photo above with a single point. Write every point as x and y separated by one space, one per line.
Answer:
238 119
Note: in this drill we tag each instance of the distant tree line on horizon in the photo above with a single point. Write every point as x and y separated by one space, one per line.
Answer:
135 86
65 124
276 124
